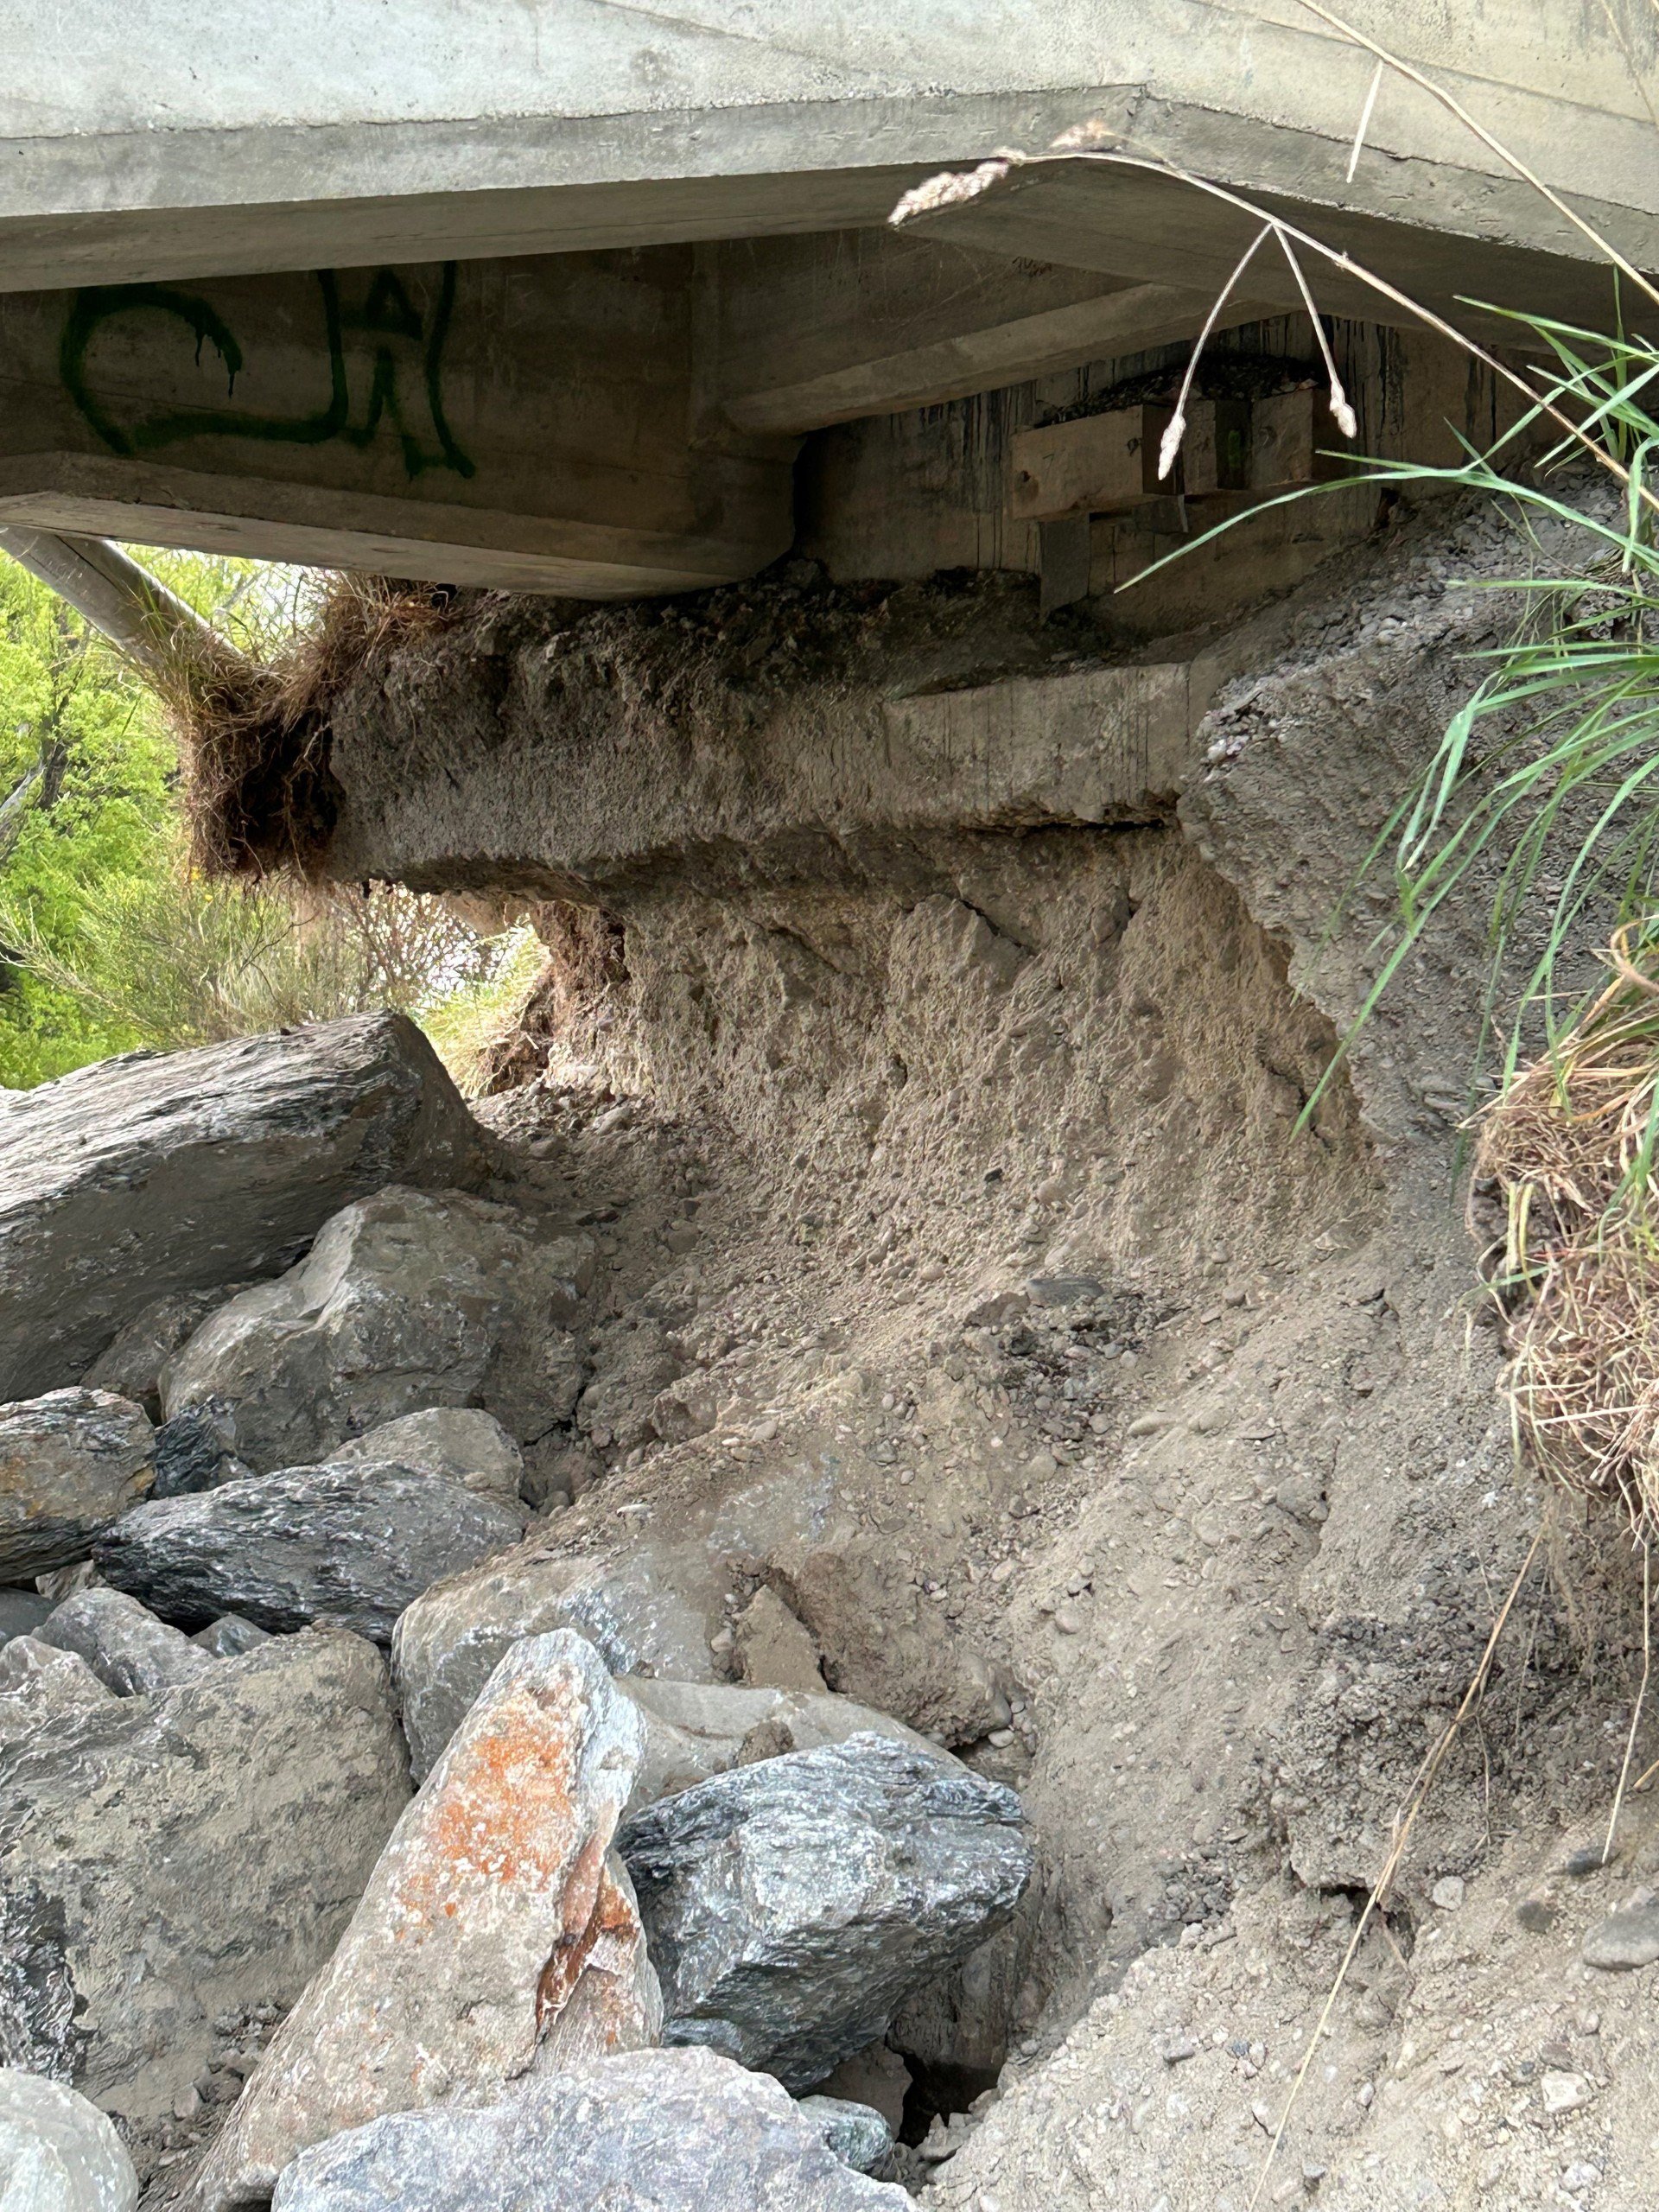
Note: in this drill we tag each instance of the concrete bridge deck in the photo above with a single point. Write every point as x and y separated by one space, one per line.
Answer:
545 293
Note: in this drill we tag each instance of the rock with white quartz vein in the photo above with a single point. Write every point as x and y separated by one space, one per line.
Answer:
792 1905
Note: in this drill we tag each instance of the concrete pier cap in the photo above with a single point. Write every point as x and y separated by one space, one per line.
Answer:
558 296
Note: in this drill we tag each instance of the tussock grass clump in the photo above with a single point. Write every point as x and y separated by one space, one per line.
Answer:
1570 1147
260 795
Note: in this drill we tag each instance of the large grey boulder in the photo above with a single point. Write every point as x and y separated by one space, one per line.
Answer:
150 1174
654 2130
58 2152
404 1301
71 1462
126 1647
790 1906
164 1858
463 1442
646 1607
497 1938
354 1543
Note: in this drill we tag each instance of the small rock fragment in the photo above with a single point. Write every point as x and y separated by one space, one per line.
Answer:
1564 2093
858 2134
1624 1940
463 1442
1447 1894
126 1647
229 1636
773 1647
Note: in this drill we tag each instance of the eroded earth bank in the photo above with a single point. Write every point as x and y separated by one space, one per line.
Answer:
1041 1491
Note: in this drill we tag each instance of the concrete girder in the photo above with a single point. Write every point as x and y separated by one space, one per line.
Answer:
527 424
807 331
599 425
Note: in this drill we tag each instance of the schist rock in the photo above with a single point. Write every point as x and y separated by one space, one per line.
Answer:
354 1543
151 1174
792 1905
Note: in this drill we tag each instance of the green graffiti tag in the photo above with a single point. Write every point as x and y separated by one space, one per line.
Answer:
386 314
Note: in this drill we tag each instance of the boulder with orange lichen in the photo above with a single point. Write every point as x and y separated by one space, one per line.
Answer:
498 1937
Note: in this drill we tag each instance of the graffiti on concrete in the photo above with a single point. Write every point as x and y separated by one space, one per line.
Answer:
395 344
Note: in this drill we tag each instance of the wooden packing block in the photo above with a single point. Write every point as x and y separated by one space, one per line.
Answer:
1287 434
1095 466
1216 450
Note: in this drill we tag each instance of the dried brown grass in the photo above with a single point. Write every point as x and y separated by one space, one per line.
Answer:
1569 1146
260 794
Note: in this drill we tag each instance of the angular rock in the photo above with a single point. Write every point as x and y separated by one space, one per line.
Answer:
498 1936
354 1543
150 1174
694 1730
652 1597
405 1301
882 1640
856 2133
664 2131
791 1906
194 1451
168 1858
229 1636
132 1364
1624 1940
631 1604
126 1647
70 1463
38 1682
773 1647
59 2153
63 1581
467 1445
